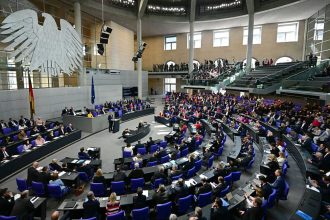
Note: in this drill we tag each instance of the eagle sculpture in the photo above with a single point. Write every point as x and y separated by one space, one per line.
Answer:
42 47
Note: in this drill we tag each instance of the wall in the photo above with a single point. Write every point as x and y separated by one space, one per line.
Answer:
155 53
158 85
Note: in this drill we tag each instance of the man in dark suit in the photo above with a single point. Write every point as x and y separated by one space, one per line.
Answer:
139 201
149 143
6 202
205 188
83 155
221 186
265 187
137 146
160 196
274 150
180 190
4 154
119 175
206 156
23 208
254 213
91 206
136 173
69 129
33 174
218 211
3 125
65 111
306 143
159 175
110 122
323 163
279 183
324 188
45 176
12 123
174 171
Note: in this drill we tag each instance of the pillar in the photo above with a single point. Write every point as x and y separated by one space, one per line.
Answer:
139 62
249 42
191 49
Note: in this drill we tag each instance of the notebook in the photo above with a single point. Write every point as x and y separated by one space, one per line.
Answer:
70 205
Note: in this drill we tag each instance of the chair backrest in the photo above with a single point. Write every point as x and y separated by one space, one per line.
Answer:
314 147
54 191
127 154
271 199
210 162
164 211
142 150
98 189
153 148
6 130
250 164
184 204
198 165
8 218
163 144
191 172
117 216
236 176
15 137
118 187
284 169
20 149
56 133
184 152
135 183
33 143
204 199
224 192
21 184
140 214
285 193
176 177
158 182
165 159
38 188
83 176
288 130
153 163
228 179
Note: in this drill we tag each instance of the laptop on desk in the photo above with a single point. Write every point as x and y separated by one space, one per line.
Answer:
70 205
231 200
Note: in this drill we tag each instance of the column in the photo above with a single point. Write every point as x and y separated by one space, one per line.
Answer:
139 62
191 49
250 6
77 24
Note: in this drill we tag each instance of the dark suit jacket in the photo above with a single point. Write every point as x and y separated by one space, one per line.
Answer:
55 166
325 163
44 178
307 144
22 208
33 175
266 190
160 198
218 189
180 191
325 192
139 202
279 185
137 173
158 175
119 176
220 213
91 208
253 213
99 179
204 189
6 206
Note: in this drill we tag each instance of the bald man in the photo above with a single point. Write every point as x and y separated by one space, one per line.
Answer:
55 215
23 208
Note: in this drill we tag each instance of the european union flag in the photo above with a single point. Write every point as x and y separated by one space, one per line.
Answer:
93 91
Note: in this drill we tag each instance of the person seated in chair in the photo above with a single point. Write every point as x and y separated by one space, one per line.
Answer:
4 155
190 164
91 206
139 201
23 207
119 175
99 178
160 196
55 166
58 182
113 206
174 171
34 131
136 173
254 213
180 190
219 187
159 175
205 188
83 155
137 146
69 128
6 202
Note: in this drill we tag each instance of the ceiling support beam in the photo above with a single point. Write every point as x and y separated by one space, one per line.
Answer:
192 17
249 46
142 8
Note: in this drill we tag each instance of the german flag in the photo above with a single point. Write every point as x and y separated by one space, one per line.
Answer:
31 97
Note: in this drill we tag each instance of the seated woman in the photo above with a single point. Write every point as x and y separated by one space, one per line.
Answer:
99 178
40 141
113 206
58 182
27 145
281 159
22 135
50 136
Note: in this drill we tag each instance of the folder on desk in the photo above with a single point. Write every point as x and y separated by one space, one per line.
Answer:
303 215
61 173
145 192
70 205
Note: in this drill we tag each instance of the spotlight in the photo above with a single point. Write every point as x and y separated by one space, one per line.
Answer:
105 33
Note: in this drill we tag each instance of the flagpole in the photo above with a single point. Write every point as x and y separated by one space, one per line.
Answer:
31 96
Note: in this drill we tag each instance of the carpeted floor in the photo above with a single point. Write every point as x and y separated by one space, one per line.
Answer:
111 148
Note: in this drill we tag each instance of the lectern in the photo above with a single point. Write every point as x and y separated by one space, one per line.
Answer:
116 123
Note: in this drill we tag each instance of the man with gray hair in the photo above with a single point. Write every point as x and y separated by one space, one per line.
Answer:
33 174
91 206
136 173
23 208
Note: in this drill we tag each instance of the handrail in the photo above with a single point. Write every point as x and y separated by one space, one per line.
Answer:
318 67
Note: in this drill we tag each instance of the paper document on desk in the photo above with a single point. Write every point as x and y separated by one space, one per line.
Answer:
312 188
187 183
61 173
259 175
74 161
328 173
145 192
14 156
91 149
213 185
56 138
118 198
34 199
203 176
87 162
17 196
267 151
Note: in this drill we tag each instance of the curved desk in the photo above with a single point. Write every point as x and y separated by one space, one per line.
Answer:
138 134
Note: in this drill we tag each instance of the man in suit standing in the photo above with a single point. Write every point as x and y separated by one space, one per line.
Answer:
6 202
279 183
33 173
110 117
23 208
139 201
